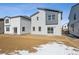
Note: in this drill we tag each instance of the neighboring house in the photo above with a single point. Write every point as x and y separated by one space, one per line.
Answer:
46 22
1 25
17 25
65 28
74 20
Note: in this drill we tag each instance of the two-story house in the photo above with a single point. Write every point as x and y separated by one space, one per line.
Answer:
17 25
46 22
74 20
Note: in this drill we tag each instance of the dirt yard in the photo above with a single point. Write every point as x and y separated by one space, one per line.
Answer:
9 43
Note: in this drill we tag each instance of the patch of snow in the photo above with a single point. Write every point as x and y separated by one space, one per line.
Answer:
56 49
51 49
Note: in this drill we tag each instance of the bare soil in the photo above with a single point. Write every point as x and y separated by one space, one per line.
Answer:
9 43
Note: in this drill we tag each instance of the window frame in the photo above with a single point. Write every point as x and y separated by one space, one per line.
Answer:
33 28
75 16
23 29
50 30
7 28
7 21
39 28
37 18
72 25
53 17
49 17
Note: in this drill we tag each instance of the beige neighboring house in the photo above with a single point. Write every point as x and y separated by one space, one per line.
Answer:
1 26
74 20
46 22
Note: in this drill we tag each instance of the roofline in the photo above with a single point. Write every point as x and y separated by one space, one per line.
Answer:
71 9
34 14
1 19
50 10
75 5
19 16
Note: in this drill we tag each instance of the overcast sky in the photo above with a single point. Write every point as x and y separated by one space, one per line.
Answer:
13 9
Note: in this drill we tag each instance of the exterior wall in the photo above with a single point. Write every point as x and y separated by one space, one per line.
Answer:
13 22
57 28
42 22
5 24
74 10
1 26
53 21
25 23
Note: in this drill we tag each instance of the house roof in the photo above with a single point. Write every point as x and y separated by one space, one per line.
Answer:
75 5
46 9
1 19
72 9
34 14
19 16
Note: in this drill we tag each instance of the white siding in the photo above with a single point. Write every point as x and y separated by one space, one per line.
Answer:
17 22
42 22
14 22
25 23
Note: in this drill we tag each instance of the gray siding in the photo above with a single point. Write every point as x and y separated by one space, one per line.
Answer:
74 10
1 27
53 21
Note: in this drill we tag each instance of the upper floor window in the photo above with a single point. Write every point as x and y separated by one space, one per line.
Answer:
37 18
53 16
49 17
23 28
7 21
74 16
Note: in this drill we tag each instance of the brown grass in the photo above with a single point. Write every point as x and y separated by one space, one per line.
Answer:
9 43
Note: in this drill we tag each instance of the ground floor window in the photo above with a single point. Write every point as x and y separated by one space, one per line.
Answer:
50 29
39 28
23 28
15 30
33 28
7 28
72 25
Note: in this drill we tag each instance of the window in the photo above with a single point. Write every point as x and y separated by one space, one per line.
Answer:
49 17
53 16
72 25
7 20
37 18
39 28
50 29
74 16
7 28
23 28
33 28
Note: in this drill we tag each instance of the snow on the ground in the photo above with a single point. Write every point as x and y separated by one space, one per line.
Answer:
51 49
